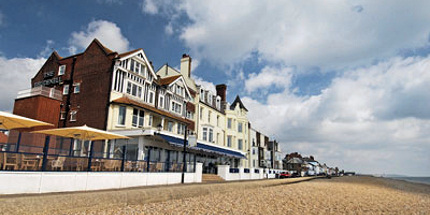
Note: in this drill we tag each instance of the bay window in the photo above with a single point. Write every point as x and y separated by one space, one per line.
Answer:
138 116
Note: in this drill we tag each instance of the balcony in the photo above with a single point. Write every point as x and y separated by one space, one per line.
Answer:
41 91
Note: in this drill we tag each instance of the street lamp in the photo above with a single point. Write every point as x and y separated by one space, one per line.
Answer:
159 127
184 152
192 141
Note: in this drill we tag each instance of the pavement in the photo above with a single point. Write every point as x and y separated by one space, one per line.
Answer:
55 203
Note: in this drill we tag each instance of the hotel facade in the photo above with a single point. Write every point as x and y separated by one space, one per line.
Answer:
122 93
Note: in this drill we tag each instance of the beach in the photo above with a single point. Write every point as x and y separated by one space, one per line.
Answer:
342 195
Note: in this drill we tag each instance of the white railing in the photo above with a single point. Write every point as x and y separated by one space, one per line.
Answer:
42 91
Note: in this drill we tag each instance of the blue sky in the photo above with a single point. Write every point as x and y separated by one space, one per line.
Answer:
345 81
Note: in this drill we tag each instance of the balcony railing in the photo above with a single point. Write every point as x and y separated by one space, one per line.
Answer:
40 91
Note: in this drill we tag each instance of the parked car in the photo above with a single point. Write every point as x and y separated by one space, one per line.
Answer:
284 175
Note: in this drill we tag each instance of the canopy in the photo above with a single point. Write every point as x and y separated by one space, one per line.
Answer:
10 121
201 146
83 133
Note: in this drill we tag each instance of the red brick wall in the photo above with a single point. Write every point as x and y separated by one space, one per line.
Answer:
93 70
39 108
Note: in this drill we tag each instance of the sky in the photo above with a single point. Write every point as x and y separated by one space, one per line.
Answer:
347 81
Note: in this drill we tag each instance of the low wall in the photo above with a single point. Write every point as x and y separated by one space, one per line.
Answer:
13 182
224 172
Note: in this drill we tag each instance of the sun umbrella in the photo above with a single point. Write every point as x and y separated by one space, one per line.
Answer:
83 133
10 121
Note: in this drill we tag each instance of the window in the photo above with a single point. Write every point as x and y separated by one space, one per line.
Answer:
151 97
189 115
218 102
217 138
150 120
63 115
65 89
202 95
161 102
229 123
209 101
177 108
205 134
253 151
134 90
229 140
73 116
211 135
170 126
135 66
240 144
121 115
208 134
138 116
181 129
62 70
77 88
239 127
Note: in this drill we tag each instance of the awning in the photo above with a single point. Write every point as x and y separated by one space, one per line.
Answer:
219 150
201 146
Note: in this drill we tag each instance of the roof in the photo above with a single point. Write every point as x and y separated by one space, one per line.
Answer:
237 101
295 160
168 80
129 52
127 101
108 51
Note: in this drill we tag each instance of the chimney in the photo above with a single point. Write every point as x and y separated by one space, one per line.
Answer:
186 65
221 91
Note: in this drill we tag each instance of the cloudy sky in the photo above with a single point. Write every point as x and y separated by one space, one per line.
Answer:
347 81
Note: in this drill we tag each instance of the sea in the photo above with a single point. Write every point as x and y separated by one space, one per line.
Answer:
422 180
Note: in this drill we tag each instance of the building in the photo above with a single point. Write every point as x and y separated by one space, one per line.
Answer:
211 121
275 158
122 93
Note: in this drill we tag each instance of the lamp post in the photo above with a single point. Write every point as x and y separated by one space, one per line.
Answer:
159 127
185 153
192 141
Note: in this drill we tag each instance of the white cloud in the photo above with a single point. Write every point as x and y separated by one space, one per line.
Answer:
47 50
207 85
16 75
329 34
269 77
370 119
168 29
108 33
149 6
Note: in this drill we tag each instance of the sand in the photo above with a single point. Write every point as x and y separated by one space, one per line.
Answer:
344 195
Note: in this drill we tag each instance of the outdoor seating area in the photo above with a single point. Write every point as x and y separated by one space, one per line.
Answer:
21 161
71 149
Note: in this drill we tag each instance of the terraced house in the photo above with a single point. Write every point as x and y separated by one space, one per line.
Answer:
122 93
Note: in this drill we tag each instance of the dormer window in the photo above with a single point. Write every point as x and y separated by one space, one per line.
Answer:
202 94
209 101
218 102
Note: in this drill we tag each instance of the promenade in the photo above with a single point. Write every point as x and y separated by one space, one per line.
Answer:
108 201
343 195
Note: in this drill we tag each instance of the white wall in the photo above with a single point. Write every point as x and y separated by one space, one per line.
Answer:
13 182
224 172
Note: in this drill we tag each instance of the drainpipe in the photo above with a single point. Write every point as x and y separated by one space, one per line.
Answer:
70 91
